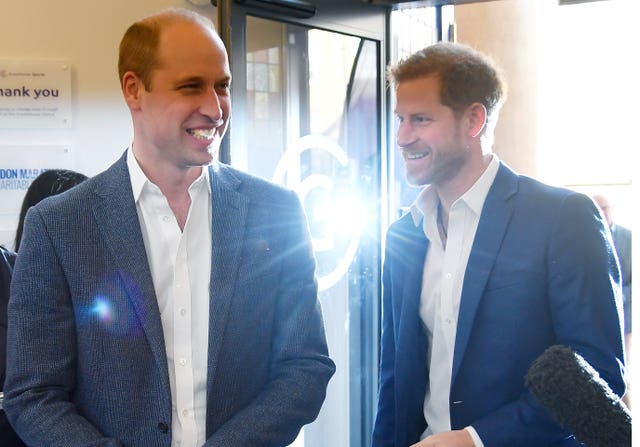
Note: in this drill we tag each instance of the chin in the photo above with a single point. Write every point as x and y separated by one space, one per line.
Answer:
417 180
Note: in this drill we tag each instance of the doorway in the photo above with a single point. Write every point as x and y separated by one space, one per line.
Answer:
308 107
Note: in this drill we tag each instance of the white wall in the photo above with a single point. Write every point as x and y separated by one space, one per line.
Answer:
507 32
87 34
570 114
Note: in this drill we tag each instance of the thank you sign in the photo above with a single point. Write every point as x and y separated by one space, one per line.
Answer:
35 94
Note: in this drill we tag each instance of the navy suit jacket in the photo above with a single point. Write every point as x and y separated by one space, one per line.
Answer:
622 243
541 272
87 363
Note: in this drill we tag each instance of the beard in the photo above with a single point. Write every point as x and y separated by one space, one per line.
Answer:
443 166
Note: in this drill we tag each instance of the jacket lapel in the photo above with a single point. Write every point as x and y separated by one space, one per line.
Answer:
413 249
496 214
117 218
410 249
229 211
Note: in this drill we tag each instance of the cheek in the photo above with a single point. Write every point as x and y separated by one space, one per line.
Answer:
433 137
441 136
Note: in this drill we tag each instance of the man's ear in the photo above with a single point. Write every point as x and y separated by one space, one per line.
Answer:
132 87
476 115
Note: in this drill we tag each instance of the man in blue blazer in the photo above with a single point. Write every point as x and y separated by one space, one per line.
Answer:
622 243
164 302
488 270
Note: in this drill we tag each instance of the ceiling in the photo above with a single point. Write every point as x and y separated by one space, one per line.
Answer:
423 2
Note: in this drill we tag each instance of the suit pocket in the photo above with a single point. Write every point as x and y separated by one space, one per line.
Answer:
503 279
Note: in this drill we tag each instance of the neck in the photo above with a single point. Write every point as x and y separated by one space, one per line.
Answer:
171 178
450 191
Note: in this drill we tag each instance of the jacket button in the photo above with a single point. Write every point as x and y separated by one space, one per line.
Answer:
163 427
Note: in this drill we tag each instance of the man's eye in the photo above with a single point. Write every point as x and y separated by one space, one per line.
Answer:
420 120
224 88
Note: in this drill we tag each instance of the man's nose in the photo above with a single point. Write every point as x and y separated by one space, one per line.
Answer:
211 105
405 134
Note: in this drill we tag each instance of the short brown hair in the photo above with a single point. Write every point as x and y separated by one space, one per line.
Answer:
466 76
139 45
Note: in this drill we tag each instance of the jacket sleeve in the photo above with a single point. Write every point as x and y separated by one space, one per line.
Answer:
299 365
41 349
584 296
385 423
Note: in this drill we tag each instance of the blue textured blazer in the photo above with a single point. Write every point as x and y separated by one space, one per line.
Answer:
541 272
86 354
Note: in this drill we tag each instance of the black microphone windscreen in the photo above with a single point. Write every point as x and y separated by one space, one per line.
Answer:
579 399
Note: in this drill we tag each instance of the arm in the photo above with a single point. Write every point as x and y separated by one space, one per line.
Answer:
299 367
7 260
41 348
583 294
384 428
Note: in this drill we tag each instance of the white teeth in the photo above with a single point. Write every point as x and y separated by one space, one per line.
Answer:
202 134
416 156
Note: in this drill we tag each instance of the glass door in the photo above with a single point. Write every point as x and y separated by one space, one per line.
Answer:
307 113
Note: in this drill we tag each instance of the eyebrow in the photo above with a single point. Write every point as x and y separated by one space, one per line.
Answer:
200 79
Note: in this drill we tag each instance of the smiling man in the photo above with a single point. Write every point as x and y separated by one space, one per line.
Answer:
171 300
488 270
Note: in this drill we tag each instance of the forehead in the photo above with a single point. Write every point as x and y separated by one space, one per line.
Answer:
418 92
186 47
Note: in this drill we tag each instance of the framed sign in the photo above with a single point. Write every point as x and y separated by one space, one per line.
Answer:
35 94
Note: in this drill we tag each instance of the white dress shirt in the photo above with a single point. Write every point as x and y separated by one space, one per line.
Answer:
180 263
442 281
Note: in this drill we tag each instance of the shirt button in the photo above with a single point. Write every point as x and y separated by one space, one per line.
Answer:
163 427
165 218
183 362
185 413
448 276
183 312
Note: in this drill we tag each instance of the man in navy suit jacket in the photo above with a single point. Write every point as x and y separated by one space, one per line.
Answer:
622 243
487 270
164 302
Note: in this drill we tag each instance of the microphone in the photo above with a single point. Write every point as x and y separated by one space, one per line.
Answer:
579 399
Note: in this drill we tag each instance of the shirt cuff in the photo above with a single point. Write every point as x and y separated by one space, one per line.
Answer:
474 435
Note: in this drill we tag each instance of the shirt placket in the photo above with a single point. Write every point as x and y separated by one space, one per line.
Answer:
182 346
448 303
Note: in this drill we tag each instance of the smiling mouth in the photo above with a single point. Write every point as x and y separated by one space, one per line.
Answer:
415 155
202 134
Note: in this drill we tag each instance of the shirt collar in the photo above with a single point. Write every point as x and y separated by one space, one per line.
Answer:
139 179
425 204
427 201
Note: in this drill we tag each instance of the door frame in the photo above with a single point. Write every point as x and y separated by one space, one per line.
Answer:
354 18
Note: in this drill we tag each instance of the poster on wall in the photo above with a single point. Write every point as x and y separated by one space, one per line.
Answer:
19 166
35 94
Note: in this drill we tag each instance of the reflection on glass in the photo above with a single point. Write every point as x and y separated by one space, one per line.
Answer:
313 115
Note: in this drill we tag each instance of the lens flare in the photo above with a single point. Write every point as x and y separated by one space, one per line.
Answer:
103 310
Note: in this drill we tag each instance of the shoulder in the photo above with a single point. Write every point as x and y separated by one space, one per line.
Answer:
402 235
7 258
258 189
539 196
82 196
403 226
623 231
